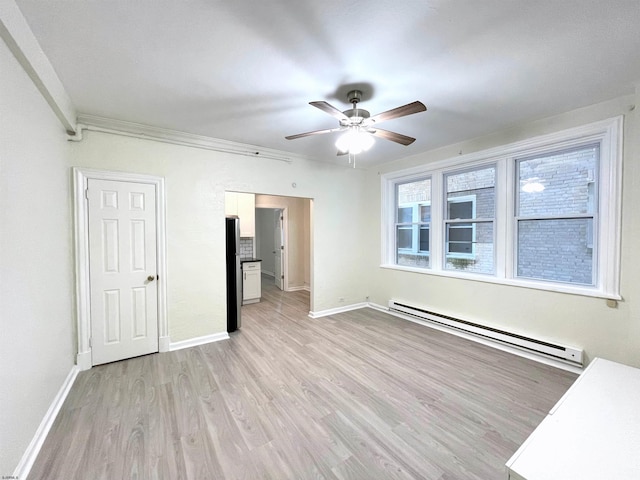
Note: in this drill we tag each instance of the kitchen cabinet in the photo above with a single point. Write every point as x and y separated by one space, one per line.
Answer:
592 433
243 205
251 282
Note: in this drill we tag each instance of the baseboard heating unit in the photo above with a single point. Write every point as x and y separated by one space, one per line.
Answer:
571 355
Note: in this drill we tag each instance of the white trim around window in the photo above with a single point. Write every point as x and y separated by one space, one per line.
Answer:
606 133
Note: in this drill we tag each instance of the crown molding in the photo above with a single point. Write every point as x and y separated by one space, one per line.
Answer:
148 132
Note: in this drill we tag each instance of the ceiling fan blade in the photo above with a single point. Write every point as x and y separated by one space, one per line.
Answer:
330 109
393 136
408 109
315 132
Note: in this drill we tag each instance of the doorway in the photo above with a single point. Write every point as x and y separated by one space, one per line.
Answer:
285 222
120 265
270 243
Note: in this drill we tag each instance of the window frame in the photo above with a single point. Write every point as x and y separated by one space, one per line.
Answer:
592 215
415 226
606 133
456 223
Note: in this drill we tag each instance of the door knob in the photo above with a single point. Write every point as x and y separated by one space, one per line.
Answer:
151 278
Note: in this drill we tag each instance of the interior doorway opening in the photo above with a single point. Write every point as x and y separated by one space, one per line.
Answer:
270 238
283 241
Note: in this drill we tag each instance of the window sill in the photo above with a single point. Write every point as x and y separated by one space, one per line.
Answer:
532 284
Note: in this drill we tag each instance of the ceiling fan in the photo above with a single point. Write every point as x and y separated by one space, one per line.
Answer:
360 127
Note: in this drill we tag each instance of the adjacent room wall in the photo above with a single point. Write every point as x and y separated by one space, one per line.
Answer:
196 180
36 281
613 333
297 241
265 238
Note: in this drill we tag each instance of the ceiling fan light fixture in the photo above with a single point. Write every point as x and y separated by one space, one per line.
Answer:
355 142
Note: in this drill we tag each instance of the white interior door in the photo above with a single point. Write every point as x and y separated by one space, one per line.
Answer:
278 269
122 264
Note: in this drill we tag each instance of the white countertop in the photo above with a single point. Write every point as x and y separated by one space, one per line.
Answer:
593 432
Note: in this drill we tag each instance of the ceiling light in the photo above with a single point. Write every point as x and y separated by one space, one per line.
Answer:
354 142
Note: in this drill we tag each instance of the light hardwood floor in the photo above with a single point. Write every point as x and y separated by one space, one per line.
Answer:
359 395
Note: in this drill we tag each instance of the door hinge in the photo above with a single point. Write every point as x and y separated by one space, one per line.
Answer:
281 219
281 247
90 346
86 193
282 277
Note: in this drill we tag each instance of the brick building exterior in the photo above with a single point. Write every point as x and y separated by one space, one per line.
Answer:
554 218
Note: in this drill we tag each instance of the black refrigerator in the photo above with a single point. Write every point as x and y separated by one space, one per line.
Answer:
234 275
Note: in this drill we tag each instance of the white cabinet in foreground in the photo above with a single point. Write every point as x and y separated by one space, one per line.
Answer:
251 286
593 432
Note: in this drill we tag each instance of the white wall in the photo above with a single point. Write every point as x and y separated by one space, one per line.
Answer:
306 241
612 333
36 282
196 180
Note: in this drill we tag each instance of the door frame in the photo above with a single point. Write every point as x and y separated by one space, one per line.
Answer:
284 250
81 176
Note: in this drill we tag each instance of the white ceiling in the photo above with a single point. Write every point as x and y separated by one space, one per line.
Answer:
245 70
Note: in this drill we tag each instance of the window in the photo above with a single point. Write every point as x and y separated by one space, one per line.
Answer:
555 215
468 223
460 235
543 213
413 223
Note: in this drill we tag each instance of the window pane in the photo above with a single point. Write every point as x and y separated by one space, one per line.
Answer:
460 232
556 250
413 209
424 239
405 214
460 210
413 260
425 213
464 253
405 236
414 192
559 183
405 253
479 188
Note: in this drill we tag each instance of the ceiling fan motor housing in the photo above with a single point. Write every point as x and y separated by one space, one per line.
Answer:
356 117
354 96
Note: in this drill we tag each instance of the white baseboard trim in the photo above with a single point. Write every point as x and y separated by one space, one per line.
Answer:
32 451
297 289
334 311
83 360
164 344
381 308
194 342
